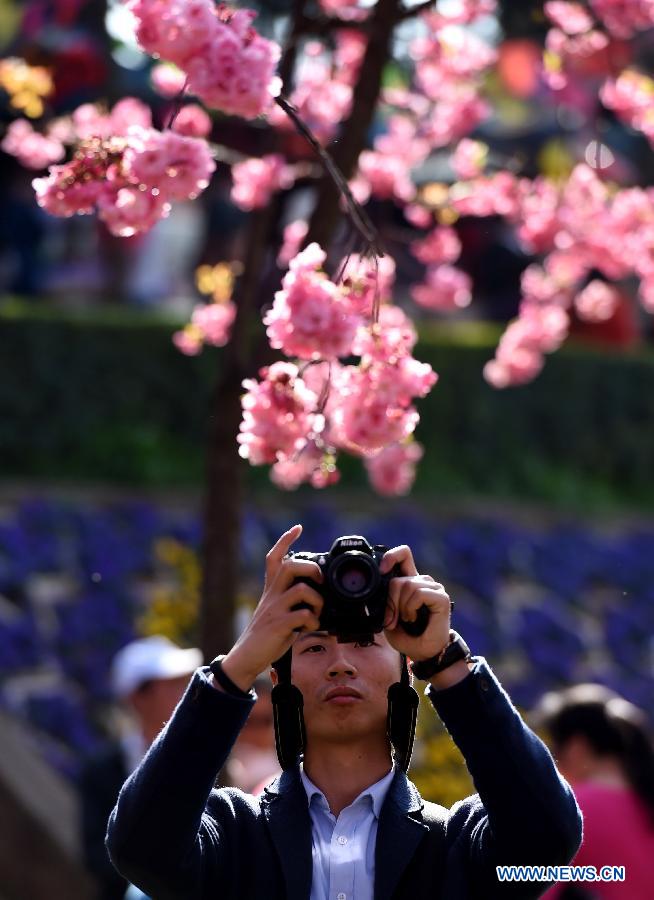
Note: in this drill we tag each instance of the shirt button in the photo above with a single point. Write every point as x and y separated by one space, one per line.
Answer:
342 840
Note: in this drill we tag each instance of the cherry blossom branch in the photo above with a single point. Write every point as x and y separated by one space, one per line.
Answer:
359 217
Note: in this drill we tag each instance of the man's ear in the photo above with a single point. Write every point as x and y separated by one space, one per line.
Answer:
274 677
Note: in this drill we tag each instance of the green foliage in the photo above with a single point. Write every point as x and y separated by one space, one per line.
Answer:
107 397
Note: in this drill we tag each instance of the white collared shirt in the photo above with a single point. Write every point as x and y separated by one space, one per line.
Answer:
343 848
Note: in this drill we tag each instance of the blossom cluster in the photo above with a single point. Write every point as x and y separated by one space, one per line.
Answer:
226 63
581 228
581 41
322 94
130 180
445 106
299 418
631 97
256 180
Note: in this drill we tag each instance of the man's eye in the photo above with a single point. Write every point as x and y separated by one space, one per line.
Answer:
370 643
313 647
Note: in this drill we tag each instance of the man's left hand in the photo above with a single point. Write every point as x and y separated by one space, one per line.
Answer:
406 594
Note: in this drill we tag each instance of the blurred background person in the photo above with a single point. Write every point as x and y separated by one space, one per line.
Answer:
148 678
253 761
603 747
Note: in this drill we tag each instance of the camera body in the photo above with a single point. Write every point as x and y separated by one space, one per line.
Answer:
354 591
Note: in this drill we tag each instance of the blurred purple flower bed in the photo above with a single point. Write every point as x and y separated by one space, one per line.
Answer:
548 606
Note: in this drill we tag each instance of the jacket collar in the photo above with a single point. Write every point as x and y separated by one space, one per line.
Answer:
399 833
285 807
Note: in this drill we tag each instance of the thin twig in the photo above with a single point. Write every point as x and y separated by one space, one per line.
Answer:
358 215
177 106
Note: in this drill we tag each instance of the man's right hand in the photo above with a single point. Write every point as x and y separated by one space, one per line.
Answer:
275 625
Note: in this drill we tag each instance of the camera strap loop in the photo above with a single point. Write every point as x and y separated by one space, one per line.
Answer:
403 702
287 701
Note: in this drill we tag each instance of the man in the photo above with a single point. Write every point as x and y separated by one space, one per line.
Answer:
148 678
347 825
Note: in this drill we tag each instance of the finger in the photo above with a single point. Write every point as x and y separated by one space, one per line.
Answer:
410 600
292 568
276 554
303 620
303 593
390 620
399 556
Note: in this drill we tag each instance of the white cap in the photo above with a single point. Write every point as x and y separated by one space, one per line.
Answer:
148 659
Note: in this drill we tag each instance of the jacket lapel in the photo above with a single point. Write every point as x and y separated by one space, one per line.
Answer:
398 834
285 807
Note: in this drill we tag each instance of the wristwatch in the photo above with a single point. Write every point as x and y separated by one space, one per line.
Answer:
457 649
223 679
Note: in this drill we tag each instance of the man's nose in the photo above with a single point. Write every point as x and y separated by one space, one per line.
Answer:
341 662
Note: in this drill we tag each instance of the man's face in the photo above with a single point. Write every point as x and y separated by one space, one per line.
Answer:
344 686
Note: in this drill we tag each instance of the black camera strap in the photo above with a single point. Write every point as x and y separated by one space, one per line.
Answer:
287 701
403 702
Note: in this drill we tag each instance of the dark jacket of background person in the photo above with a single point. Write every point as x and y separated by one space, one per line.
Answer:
178 839
101 780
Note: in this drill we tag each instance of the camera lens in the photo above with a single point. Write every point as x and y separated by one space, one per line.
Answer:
354 576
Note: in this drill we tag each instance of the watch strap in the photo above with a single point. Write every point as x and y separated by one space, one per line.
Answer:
456 650
225 681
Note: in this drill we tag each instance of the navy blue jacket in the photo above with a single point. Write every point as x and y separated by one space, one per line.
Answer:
178 838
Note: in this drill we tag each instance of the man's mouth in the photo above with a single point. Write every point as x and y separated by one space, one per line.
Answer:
342 696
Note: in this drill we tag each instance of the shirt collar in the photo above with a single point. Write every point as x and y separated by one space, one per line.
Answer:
377 791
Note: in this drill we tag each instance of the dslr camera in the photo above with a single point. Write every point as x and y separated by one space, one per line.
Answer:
354 591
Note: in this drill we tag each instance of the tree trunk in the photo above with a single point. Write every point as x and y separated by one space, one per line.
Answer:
354 132
225 474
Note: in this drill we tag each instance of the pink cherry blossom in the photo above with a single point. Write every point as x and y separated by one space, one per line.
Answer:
393 337
126 114
62 194
348 55
597 302
188 341
214 322
392 470
322 96
174 30
349 10
294 235
192 121
278 415
126 209
469 158
311 464
624 18
169 81
386 175
32 149
442 245
445 288
365 421
256 180
571 18
310 317
228 65
521 367
179 167
492 195
363 280
631 96
417 215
